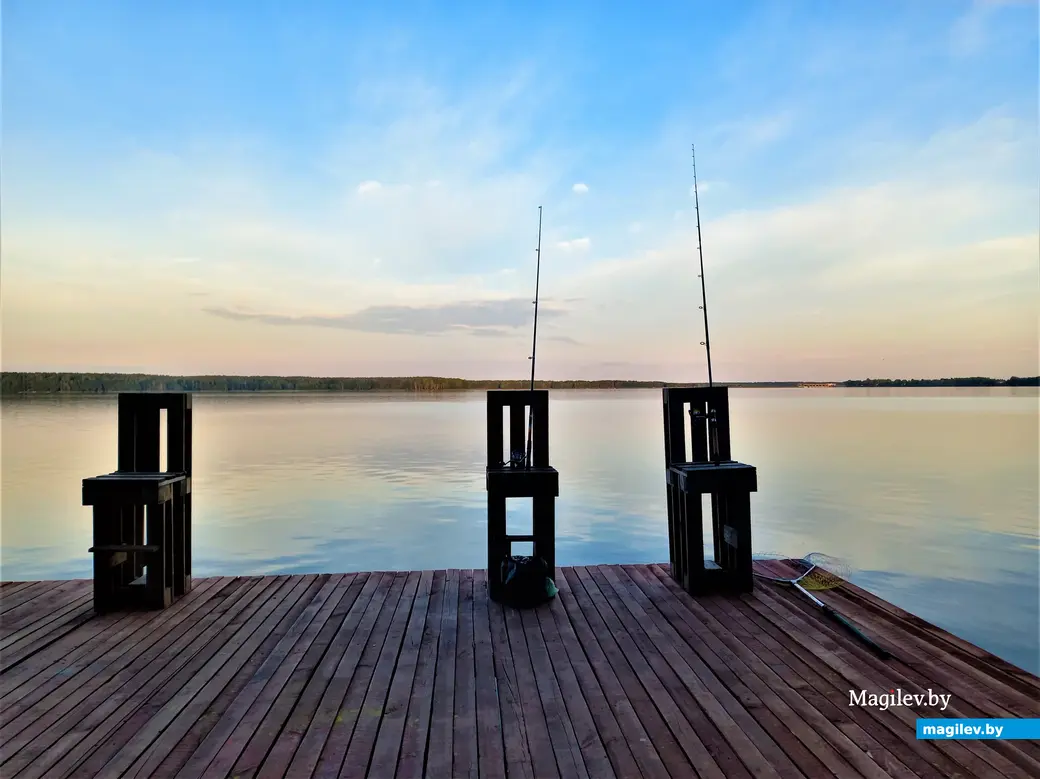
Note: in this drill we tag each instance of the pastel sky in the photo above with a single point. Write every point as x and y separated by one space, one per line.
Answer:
353 188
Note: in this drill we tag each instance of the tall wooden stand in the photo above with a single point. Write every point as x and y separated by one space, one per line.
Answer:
142 516
539 482
707 470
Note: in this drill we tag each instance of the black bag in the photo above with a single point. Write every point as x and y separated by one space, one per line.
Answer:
525 582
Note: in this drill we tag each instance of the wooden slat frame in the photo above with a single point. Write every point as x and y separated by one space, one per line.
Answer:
420 673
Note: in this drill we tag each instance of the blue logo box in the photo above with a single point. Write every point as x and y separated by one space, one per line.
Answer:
947 729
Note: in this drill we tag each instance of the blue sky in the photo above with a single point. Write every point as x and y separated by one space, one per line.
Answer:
264 188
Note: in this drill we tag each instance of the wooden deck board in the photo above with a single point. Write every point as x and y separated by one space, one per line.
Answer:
464 732
71 649
411 758
156 734
969 688
604 748
738 662
490 736
67 722
561 730
37 617
14 624
574 625
88 658
350 744
286 738
943 641
388 743
639 687
216 739
33 590
862 670
372 709
335 724
744 705
418 674
698 719
138 685
441 729
144 718
331 715
820 685
514 733
532 708
253 735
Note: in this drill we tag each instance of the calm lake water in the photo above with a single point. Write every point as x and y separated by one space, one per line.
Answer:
931 495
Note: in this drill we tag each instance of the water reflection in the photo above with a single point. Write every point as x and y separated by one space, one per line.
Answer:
931 495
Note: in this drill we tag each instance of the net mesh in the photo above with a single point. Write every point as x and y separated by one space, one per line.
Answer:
816 571
826 573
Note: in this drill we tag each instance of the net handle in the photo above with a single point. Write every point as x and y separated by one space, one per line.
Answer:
784 579
770 578
798 581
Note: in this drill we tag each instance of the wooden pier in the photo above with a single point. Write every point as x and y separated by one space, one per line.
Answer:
419 674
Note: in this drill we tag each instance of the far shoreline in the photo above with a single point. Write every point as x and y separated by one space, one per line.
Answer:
25 384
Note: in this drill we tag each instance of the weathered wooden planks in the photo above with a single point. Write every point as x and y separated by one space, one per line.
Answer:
419 674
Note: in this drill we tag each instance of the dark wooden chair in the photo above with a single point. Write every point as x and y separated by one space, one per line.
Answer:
142 516
540 482
709 470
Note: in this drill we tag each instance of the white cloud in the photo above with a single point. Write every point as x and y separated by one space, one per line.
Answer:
574 245
933 255
970 33
928 240
751 134
981 262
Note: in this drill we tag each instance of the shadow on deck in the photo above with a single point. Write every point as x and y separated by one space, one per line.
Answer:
418 674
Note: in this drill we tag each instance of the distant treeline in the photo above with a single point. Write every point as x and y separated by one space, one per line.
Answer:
971 381
50 383
78 383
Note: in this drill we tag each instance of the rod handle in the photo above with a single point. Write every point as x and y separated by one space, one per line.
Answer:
880 651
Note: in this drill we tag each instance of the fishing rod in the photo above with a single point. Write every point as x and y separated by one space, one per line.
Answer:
534 337
706 343
710 418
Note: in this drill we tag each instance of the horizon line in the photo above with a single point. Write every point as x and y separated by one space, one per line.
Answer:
490 380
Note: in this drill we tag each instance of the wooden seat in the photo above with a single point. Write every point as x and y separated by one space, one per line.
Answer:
523 483
142 516
709 470
540 482
142 488
125 548
730 484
